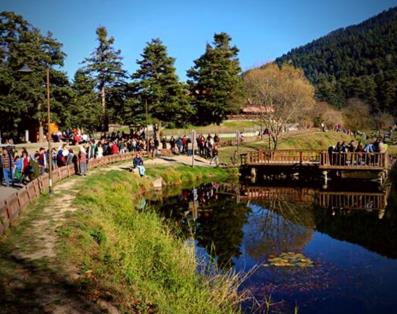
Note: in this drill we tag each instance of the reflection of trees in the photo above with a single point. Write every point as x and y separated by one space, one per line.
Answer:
363 228
278 226
175 209
219 225
221 231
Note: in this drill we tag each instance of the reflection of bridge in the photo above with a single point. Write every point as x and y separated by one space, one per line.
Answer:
325 199
315 160
352 200
299 195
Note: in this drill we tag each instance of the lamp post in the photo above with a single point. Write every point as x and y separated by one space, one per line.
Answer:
193 141
25 69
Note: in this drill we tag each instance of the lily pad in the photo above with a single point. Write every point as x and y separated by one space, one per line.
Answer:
289 259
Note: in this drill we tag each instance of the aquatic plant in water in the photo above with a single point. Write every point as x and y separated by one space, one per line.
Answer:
289 259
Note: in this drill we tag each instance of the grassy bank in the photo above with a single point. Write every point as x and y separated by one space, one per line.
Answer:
131 256
228 126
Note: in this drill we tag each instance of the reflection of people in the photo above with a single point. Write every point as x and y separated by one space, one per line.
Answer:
138 164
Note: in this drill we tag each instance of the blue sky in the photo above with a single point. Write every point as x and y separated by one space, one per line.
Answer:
261 29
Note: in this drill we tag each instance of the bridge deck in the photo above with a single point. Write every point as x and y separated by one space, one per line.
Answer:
323 160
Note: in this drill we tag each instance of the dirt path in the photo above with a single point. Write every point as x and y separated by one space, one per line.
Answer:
30 279
35 283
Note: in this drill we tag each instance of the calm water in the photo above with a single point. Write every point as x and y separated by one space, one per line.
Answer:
349 230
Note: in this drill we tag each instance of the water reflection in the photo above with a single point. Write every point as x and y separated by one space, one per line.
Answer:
346 229
241 225
281 217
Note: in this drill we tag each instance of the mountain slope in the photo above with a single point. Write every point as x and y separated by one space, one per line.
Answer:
357 61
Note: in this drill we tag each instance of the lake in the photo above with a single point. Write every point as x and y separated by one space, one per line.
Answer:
347 231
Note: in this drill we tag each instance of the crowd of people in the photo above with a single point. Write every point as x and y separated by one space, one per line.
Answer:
20 166
338 153
207 147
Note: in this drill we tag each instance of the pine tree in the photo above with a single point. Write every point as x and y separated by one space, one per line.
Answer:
106 67
156 88
354 62
215 82
23 95
85 107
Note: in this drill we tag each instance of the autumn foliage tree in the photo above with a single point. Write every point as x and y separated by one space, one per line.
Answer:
286 93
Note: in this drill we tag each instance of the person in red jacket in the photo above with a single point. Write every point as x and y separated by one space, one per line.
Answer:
115 148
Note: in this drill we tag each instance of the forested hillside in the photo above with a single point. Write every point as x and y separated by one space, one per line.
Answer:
357 61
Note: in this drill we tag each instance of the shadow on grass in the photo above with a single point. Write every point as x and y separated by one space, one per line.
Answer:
31 287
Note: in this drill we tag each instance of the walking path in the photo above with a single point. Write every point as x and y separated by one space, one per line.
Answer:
5 192
32 283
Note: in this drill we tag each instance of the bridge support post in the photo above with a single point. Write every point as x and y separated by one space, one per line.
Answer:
325 176
382 177
253 175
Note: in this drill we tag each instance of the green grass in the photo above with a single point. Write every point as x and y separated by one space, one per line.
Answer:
228 126
19 235
392 150
181 174
132 254
313 140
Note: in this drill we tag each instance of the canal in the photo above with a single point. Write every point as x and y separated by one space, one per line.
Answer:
318 249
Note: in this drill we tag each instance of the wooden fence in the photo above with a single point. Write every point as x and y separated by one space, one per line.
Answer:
359 160
12 207
287 156
325 160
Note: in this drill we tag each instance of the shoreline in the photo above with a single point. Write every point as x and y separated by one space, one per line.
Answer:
114 256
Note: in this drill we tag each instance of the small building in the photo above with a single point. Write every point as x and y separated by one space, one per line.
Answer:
252 111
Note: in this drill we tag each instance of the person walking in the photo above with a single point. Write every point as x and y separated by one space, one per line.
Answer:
83 161
7 165
215 157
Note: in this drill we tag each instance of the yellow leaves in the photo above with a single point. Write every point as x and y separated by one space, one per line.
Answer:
285 88
289 259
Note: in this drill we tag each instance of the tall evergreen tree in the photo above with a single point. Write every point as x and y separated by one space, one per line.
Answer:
156 88
85 108
23 95
215 82
106 67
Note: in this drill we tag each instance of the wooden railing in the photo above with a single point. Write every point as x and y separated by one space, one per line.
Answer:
354 160
280 157
334 160
352 200
16 202
303 195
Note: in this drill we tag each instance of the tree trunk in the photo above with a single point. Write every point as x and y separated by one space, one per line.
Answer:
103 100
41 132
275 142
104 114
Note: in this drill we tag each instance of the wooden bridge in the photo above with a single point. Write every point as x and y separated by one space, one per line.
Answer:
352 200
296 195
325 199
316 160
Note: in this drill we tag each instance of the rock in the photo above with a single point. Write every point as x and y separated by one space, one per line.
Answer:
158 183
